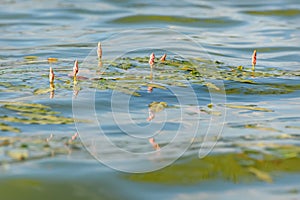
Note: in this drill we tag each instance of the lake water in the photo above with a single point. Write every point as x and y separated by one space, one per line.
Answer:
224 129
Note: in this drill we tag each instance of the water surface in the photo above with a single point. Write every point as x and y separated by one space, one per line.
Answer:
262 107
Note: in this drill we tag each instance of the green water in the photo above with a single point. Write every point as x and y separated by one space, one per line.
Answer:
207 97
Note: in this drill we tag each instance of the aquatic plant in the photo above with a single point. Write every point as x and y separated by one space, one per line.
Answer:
99 50
253 60
163 58
29 113
51 75
151 59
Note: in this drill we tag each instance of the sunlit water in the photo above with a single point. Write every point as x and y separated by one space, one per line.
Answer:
223 31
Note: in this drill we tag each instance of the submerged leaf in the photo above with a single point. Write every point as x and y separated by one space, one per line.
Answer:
5 127
212 86
18 154
257 127
264 176
38 119
5 141
50 60
16 103
42 91
248 107
240 67
47 119
127 91
30 58
29 109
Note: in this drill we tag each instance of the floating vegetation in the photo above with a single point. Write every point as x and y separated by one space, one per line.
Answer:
14 87
21 107
5 127
31 113
177 72
157 106
22 104
129 75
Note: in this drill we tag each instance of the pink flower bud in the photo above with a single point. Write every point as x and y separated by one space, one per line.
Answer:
254 58
99 50
151 59
163 58
75 68
51 75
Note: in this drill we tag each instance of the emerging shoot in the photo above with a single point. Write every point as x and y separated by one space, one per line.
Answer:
99 50
253 60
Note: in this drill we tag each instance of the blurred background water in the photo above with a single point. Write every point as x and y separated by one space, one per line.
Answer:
229 31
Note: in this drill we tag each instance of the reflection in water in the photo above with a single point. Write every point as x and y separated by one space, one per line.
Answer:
49 138
154 144
100 64
73 137
155 107
151 115
52 88
99 51
150 88
51 81
76 88
51 75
